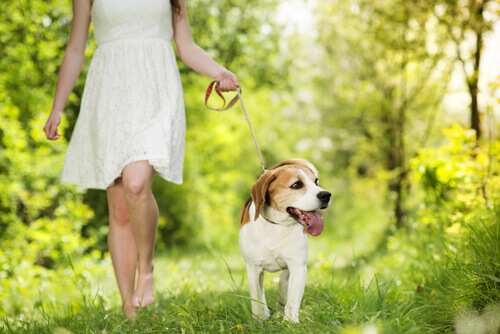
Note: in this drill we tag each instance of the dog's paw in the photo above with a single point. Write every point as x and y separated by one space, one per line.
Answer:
290 319
261 316
287 322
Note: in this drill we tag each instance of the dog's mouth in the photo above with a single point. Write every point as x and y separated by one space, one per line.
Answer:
311 220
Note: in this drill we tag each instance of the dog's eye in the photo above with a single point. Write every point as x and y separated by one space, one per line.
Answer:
316 181
297 185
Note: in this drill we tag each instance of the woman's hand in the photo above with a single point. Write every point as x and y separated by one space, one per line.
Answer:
227 81
50 127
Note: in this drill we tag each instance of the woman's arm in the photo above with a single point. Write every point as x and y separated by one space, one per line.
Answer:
195 57
71 64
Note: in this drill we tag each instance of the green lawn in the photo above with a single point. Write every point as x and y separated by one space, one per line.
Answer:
205 290
417 285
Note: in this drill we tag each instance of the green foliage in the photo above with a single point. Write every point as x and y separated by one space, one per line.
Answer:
449 257
460 175
462 184
40 220
466 24
384 68
383 79
34 36
244 37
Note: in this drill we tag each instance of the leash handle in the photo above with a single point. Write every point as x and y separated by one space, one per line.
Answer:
217 90
229 105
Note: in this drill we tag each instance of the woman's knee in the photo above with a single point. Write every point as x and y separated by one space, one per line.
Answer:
135 188
118 215
137 179
117 204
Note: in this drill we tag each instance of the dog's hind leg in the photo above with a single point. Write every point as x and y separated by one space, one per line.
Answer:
285 275
255 276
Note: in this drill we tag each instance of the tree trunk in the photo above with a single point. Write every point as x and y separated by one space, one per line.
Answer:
399 209
472 80
473 86
475 122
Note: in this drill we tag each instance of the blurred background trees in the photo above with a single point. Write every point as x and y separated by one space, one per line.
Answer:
358 92
466 24
385 69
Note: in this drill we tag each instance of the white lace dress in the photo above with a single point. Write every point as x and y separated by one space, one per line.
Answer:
132 107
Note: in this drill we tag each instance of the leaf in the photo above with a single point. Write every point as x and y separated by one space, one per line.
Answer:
493 278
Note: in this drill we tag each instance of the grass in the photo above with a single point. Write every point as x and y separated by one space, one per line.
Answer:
205 291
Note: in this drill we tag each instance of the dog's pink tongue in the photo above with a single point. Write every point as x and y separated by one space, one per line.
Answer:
315 223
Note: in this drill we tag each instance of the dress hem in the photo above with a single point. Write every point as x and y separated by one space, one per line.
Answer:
157 171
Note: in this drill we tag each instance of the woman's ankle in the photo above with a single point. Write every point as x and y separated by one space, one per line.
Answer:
146 268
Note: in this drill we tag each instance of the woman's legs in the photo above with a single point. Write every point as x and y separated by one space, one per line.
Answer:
137 178
121 245
133 222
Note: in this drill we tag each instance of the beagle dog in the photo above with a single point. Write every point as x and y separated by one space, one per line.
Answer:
274 224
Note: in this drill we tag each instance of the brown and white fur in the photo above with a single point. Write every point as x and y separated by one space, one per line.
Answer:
274 224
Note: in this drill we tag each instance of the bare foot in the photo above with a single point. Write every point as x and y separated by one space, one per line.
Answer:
129 311
144 293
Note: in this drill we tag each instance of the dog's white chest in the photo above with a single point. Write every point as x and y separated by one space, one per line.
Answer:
272 247
272 262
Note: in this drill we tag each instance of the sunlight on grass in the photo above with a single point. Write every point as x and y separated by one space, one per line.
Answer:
206 290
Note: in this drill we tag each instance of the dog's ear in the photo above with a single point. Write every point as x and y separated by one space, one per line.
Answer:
259 190
298 162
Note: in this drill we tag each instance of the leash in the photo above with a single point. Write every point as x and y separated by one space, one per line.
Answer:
228 106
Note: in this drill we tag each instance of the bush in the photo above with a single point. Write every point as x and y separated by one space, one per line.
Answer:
40 219
448 259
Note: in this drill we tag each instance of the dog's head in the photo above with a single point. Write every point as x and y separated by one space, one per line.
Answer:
291 193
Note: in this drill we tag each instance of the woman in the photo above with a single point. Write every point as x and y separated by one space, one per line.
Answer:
131 124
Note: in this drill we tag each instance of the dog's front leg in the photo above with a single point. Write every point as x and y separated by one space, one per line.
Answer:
255 276
296 286
282 298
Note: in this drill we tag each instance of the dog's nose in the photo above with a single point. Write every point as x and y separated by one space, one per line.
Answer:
324 196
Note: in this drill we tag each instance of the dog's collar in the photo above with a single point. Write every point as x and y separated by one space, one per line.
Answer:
269 220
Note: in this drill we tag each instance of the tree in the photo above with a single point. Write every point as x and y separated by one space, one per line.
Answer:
383 71
466 23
